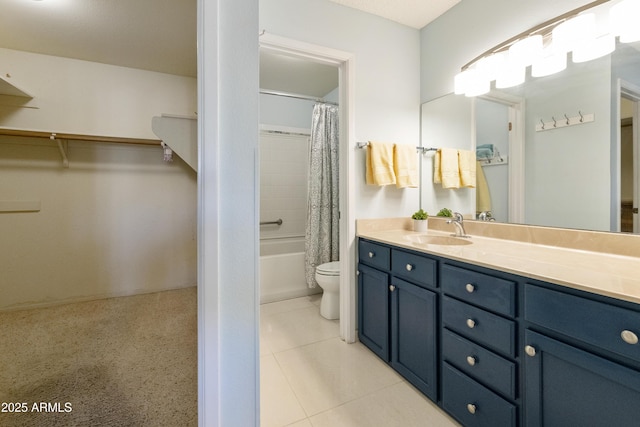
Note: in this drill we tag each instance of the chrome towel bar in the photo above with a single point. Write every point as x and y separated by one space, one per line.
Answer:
277 222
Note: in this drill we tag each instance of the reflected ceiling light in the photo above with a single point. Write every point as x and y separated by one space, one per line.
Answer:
549 63
624 20
476 84
595 48
460 82
573 32
511 75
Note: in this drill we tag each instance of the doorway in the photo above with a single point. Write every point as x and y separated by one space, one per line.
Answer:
344 62
629 159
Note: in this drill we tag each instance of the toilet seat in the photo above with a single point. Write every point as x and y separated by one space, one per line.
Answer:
329 269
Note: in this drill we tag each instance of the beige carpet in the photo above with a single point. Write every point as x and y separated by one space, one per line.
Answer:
128 361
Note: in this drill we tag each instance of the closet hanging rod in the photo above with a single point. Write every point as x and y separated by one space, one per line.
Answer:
423 149
295 95
76 137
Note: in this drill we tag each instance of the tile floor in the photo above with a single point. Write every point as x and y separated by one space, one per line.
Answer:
311 378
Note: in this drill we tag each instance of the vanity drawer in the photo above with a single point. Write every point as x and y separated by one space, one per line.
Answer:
415 268
483 365
596 323
480 326
374 254
472 404
484 290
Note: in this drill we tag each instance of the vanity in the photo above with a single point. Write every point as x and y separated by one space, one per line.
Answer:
501 332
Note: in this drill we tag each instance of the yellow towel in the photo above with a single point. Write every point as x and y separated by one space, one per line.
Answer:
467 166
483 197
446 169
405 166
379 170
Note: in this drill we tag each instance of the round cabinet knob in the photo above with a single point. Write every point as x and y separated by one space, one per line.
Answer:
471 323
629 337
471 360
357 272
531 351
392 288
371 254
409 267
470 288
471 408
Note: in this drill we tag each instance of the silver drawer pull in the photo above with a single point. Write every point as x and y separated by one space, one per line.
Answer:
471 408
392 288
371 254
409 267
471 360
471 323
530 350
470 288
629 337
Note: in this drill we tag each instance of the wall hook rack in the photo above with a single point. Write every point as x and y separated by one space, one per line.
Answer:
570 121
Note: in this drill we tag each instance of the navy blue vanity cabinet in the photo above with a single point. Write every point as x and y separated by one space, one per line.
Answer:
582 359
397 311
414 335
479 352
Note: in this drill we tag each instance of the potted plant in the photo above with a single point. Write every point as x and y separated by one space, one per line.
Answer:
445 212
420 220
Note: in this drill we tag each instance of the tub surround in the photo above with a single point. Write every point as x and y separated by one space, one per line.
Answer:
601 263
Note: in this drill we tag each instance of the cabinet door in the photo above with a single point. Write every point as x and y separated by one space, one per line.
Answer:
413 332
373 310
566 386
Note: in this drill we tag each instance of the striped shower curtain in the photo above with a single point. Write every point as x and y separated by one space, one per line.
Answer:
321 239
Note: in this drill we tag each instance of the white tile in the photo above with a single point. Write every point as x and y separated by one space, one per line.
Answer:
278 405
399 405
303 423
292 329
286 305
329 373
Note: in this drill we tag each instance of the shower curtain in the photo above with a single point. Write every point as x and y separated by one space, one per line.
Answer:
321 239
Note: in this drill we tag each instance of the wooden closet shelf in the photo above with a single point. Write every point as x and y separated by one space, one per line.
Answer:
77 137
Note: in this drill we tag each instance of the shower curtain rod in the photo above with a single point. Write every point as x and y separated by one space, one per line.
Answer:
295 95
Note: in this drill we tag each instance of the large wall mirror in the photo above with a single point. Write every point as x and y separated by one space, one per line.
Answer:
585 175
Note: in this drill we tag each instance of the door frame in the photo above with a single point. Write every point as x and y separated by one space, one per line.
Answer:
630 91
516 163
344 61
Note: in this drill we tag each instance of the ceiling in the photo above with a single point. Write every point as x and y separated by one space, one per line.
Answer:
160 35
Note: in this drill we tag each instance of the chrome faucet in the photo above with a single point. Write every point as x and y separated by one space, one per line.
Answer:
457 221
486 216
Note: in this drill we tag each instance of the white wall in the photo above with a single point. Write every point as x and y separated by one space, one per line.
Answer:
283 184
118 221
387 82
228 105
89 98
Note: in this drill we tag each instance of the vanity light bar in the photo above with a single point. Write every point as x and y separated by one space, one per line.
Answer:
543 29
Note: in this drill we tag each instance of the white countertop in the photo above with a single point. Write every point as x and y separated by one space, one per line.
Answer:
616 276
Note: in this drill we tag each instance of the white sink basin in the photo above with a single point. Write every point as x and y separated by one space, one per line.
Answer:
425 239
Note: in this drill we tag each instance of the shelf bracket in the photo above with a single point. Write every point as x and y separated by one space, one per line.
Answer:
63 150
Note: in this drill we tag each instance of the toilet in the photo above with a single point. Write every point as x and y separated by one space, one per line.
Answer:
328 277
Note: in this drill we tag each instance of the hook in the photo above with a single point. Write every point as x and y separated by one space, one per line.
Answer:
555 123
565 116
542 121
581 116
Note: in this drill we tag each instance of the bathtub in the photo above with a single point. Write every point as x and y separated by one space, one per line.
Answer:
282 270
